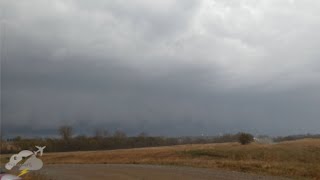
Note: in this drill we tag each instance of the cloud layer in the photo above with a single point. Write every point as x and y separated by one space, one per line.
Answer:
182 67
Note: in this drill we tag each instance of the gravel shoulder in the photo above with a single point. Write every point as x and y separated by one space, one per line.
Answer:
139 172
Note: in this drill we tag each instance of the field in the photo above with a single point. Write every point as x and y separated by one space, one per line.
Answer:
296 159
299 159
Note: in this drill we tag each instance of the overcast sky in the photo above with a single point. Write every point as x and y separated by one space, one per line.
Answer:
184 67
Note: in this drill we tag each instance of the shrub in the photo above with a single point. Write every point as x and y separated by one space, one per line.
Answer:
245 138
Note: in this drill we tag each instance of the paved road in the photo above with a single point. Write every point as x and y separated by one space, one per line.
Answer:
139 172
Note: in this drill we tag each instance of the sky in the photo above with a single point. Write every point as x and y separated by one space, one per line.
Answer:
168 68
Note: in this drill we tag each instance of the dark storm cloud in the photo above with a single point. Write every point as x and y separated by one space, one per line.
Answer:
167 67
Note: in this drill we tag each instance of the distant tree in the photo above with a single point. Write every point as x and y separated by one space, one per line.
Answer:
245 138
143 135
119 134
17 138
105 133
100 133
65 132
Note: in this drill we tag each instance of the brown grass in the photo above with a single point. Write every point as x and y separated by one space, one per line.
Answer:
299 159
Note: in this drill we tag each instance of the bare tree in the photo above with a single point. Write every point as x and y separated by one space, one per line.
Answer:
119 134
100 133
143 134
65 132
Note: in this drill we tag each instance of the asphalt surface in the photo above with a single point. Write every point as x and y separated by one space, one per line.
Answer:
140 172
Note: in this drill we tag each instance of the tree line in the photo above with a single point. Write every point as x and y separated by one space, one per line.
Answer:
103 140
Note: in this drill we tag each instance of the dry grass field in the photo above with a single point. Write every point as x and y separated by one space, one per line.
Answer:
296 159
299 159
